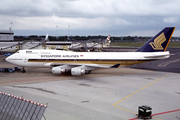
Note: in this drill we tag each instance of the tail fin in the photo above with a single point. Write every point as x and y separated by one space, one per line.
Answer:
46 38
159 42
68 38
108 39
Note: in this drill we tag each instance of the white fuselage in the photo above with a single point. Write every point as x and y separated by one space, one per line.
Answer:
48 58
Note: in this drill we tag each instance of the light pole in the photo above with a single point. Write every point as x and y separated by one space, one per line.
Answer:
57 33
68 29
11 26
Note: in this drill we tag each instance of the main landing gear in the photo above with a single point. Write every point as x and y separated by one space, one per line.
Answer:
23 70
88 71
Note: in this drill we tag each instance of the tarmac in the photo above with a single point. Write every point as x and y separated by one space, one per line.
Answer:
105 94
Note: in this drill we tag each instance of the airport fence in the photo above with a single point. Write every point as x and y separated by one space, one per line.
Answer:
18 108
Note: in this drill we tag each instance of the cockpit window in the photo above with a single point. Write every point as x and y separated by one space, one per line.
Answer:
31 52
28 51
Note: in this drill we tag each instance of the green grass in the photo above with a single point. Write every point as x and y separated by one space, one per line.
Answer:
174 44
127 44
138 44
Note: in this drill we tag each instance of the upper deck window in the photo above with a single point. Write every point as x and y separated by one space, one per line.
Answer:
30 52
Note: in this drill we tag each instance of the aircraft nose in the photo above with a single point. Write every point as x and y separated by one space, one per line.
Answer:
7 59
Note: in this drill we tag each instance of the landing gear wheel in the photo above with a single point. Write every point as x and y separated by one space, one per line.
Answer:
88 72
23 71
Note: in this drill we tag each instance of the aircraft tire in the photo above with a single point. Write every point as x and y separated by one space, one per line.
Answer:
88 72
23 71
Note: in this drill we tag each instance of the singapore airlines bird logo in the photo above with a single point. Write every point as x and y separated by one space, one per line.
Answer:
157 44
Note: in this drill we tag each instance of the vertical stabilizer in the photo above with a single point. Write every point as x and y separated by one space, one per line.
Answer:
107 41
159 42
46 38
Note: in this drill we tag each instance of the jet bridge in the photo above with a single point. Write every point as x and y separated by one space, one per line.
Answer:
23 45
18 108
97 44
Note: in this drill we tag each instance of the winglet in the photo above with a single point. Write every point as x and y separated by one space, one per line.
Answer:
159 42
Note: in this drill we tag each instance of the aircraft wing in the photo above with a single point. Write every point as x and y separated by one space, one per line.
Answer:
71 65
76 69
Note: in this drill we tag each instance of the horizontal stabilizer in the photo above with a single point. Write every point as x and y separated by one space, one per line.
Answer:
156 56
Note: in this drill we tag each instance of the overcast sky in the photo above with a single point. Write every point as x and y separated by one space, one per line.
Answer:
89 17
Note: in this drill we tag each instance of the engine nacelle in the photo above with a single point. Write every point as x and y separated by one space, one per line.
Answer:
58 70
77 71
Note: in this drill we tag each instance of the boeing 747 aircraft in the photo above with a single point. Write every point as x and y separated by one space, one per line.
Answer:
79 63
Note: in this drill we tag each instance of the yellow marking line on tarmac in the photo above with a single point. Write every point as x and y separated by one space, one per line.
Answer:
135 93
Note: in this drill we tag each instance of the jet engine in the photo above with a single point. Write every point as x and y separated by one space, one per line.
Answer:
58 70
77 71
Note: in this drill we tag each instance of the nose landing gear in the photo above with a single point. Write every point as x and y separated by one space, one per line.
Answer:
23 70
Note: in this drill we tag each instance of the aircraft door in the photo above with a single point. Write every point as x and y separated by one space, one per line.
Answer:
25 60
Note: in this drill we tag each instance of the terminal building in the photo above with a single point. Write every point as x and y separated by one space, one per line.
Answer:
6 35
